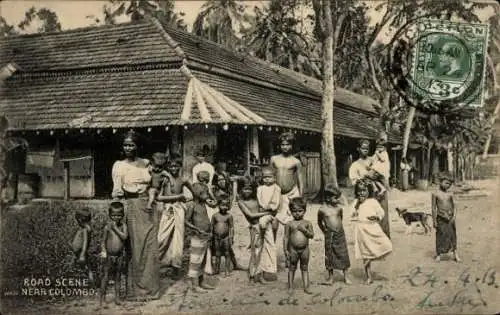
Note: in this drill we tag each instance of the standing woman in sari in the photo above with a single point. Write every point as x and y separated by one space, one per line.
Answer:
130 183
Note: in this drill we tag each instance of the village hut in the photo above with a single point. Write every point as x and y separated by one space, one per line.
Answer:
73 93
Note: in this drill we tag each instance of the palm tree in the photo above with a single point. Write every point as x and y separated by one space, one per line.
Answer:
275 36
163 10
218 20
494 65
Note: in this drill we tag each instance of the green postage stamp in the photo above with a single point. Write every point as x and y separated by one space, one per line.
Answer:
449 62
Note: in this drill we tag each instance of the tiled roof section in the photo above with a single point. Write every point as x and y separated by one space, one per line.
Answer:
278 108
143 43
131 43
210 53
342 96
202 50
116 99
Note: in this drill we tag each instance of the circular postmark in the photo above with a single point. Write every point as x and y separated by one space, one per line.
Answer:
438 65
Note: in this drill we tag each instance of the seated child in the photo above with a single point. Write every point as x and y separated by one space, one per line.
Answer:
296 242
269 198
330 217
198 221
222 233
113 249
158 175
81 240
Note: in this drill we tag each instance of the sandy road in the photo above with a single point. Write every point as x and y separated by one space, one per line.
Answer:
408 281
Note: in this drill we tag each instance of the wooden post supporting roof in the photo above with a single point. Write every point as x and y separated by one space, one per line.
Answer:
66 180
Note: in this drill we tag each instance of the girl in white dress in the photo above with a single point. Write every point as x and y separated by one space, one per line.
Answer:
370 241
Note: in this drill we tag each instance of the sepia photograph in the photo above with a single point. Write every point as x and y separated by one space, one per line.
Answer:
249 157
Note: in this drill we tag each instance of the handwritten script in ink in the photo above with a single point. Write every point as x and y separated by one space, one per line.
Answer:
444 293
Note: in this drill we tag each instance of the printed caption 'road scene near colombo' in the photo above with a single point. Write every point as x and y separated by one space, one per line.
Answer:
267 157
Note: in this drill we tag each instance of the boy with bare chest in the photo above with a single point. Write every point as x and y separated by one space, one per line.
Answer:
288 175
171 227
81 240
330 217
222 233
198 221
444 216
113 249
296 243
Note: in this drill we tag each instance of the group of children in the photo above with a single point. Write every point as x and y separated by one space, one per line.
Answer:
211 225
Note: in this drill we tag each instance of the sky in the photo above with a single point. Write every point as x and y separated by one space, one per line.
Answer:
72 13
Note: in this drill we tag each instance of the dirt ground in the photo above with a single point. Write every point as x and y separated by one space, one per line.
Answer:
406 282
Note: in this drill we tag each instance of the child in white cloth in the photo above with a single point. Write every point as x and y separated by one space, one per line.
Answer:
370 241
269 199
381 165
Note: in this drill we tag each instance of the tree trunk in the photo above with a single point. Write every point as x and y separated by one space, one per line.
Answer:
328 163
409 121
434 171
492 122
428 163
384 110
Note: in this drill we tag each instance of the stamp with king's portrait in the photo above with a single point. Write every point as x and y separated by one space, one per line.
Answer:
449 62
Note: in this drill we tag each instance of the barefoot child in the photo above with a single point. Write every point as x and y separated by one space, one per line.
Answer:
158 175
260 260
81 241
296 243
198 221
444 215
330 217
370 241
113 249
222 183
222 233
288 175
269 198
171 227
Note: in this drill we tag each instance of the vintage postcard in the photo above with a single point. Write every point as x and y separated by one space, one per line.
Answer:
237 157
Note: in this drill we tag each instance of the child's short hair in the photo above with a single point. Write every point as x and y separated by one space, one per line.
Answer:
199 189
204 151
83 215
361 185
246 182
268 170
203 176
175 162
298 203
332 191
199 153
364 142
382 138
223 197
116 206
159 158
381 143
446 176
287 136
